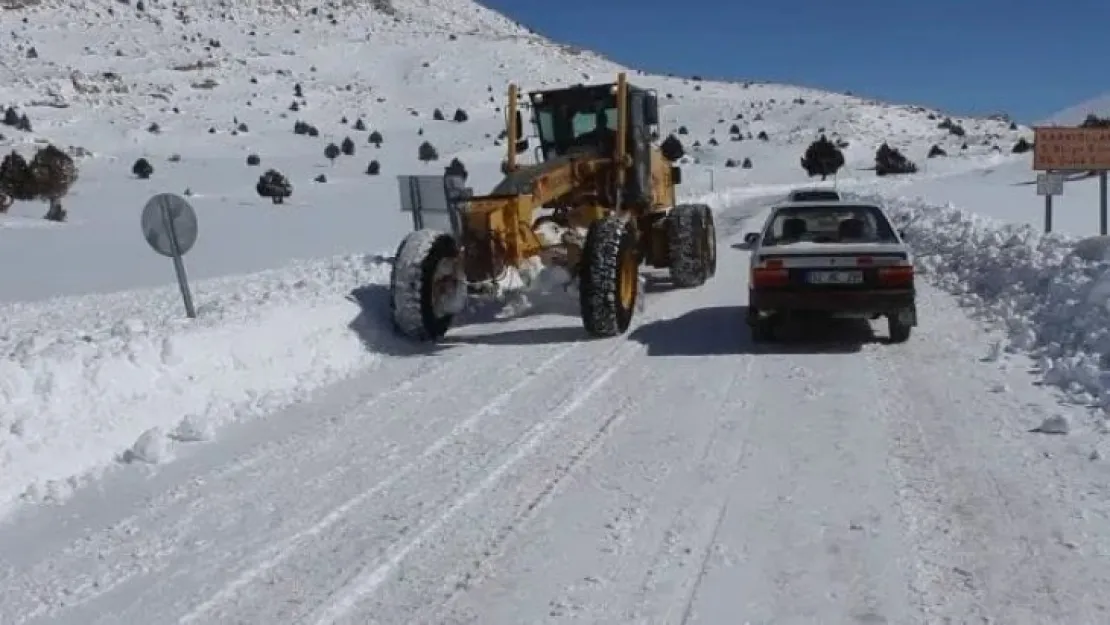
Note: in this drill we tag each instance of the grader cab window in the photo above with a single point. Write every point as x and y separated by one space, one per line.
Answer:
585 123
567 121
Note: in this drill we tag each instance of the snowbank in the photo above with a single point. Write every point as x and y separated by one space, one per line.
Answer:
87 381
1050 293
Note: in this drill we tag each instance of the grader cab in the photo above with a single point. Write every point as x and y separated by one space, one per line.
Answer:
611 196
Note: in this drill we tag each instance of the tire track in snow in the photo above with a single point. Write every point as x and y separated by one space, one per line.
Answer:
808 536
542 575
368 581
288 547
614 352
470 551
671 579
122 563
582 452
371 581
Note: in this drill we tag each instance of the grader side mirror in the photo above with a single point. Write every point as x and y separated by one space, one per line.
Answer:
651 109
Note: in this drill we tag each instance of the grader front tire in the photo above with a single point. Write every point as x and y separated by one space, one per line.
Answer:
609 282
691 235
425 285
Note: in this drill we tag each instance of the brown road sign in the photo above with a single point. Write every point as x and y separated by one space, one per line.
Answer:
1071 149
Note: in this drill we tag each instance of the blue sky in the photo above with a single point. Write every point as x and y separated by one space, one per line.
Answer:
1029 58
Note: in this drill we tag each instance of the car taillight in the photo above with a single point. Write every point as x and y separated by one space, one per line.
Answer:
770 276
899 275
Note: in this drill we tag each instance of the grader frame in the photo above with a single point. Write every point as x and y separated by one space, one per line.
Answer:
583 183
611 182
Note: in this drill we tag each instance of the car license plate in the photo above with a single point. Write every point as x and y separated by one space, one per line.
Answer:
835 277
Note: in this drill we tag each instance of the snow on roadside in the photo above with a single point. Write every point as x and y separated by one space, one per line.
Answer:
86 381
1050 293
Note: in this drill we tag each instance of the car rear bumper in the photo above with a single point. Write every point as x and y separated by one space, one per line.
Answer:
869 301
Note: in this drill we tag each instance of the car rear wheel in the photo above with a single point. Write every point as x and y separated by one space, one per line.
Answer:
762 328
898 328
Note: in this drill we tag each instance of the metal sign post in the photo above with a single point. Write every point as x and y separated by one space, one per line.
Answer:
1062 149
1102 202
169 226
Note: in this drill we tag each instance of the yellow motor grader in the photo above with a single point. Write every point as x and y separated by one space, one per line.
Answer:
611 193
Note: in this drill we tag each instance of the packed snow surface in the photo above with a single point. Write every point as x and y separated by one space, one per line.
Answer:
285 458
519 473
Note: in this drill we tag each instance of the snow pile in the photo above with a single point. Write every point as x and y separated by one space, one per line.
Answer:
85 381
1051 293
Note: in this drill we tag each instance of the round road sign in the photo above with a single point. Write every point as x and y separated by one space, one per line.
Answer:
167 217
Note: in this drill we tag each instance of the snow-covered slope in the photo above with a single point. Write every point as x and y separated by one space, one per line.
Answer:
349 473
1072 115
198 72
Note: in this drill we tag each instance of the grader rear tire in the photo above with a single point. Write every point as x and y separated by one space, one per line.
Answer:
710 237
691 235
609 280
426 285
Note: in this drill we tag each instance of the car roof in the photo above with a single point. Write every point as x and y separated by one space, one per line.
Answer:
814 190
822 203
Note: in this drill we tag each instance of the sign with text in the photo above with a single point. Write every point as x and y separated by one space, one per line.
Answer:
1071 149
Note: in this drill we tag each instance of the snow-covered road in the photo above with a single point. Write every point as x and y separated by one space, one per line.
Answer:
678 475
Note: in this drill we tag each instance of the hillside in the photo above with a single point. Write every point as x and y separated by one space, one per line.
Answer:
1075 114
195 89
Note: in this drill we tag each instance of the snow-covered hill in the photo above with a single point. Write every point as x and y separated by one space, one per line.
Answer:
346 473
1073 115
172 84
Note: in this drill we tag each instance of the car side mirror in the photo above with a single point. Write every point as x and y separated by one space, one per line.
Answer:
522 146
751 238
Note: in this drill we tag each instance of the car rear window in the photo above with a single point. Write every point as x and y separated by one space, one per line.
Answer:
814 196
842 223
